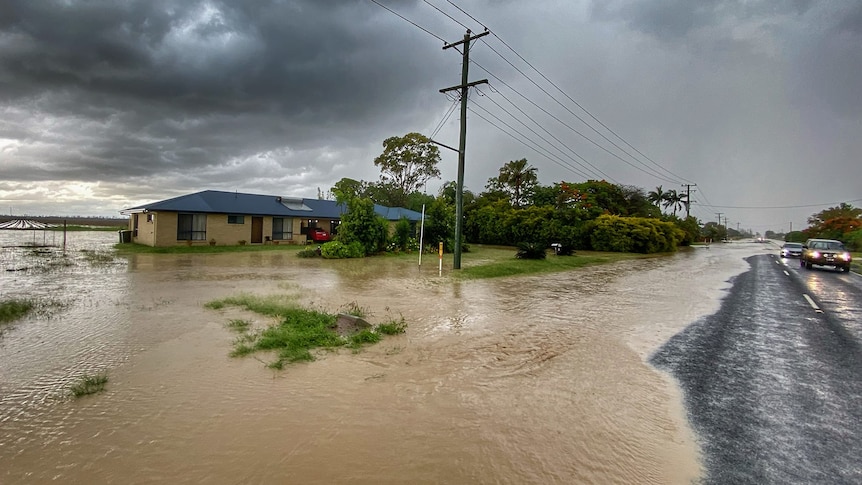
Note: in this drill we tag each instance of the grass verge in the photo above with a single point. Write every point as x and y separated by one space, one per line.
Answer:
11 310
298 332
89 385
495 262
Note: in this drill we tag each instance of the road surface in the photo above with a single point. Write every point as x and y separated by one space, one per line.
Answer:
773 380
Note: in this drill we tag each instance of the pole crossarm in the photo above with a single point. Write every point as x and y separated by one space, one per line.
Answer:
467 38
444 145
468 85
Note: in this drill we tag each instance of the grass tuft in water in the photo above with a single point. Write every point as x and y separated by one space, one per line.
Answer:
393 327
354 309
98 257
239 325
299 330
11 310
89 385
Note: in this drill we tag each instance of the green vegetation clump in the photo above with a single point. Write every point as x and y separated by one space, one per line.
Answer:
308 253
98 257
531 250
339 250
89 385
239 325
393 327
11 310
298 332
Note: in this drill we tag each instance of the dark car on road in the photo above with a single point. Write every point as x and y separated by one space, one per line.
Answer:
825 252
791 250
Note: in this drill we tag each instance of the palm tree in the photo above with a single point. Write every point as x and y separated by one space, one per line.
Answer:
675 200
656 196
518 178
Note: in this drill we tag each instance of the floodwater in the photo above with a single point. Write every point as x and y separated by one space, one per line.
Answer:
540 379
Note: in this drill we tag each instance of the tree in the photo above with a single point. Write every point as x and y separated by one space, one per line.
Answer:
518 179
835 222
361 224
656 196
673 199
347 189
407 163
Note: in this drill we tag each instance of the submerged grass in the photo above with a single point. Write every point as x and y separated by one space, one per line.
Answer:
89 385
298 332
11 310
132 248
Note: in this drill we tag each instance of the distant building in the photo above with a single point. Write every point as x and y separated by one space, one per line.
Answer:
230 217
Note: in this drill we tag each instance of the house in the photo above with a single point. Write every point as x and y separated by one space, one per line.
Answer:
231 217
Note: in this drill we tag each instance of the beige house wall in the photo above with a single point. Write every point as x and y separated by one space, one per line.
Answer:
162 230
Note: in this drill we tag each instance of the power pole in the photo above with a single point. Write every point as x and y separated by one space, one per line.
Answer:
462 145
688 200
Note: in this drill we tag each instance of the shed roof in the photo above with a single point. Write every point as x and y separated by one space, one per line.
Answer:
219 202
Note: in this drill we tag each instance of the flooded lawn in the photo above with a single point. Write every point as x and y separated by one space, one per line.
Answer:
539 379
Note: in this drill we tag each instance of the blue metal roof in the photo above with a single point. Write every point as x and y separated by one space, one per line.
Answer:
218 202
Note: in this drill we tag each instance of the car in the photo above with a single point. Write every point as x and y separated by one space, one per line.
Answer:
317 234
825 252
791 250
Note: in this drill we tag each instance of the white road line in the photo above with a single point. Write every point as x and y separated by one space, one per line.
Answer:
813 305
785 272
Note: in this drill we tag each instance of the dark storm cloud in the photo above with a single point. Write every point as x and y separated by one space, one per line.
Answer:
151 83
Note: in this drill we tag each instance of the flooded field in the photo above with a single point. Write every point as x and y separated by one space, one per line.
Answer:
540 379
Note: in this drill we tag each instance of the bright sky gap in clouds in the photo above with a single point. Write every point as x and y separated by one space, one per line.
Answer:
106 105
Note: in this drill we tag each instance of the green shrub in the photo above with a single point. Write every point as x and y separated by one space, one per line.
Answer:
339 250
308 253
634 235
531 250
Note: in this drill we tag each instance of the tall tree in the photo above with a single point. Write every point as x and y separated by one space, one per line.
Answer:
518 179
842 210
656 196
674 200
347 189
408 162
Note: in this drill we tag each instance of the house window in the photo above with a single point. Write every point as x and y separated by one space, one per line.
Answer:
282 228
236 219
191 227
149 217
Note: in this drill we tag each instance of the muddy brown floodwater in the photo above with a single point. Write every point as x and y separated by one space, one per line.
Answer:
540 379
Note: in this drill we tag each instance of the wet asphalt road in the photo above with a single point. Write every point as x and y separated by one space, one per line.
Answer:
772 387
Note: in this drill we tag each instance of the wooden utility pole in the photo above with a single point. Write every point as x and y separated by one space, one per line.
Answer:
688 200
459 189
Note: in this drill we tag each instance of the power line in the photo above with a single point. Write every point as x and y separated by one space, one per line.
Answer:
595 169
467 14
446 14
441 39
653 173
576 103
535 147
778 206
445 118
585 110
573 129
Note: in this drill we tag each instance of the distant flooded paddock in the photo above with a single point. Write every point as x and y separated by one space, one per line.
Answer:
539 379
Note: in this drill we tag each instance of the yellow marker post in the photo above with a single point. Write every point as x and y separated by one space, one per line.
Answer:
440 269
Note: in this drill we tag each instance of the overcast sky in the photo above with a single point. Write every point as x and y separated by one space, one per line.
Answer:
109 104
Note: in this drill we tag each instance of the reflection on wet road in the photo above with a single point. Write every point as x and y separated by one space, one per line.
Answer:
773 388
540 379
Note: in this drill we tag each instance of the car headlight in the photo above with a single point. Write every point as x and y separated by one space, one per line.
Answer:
846 256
